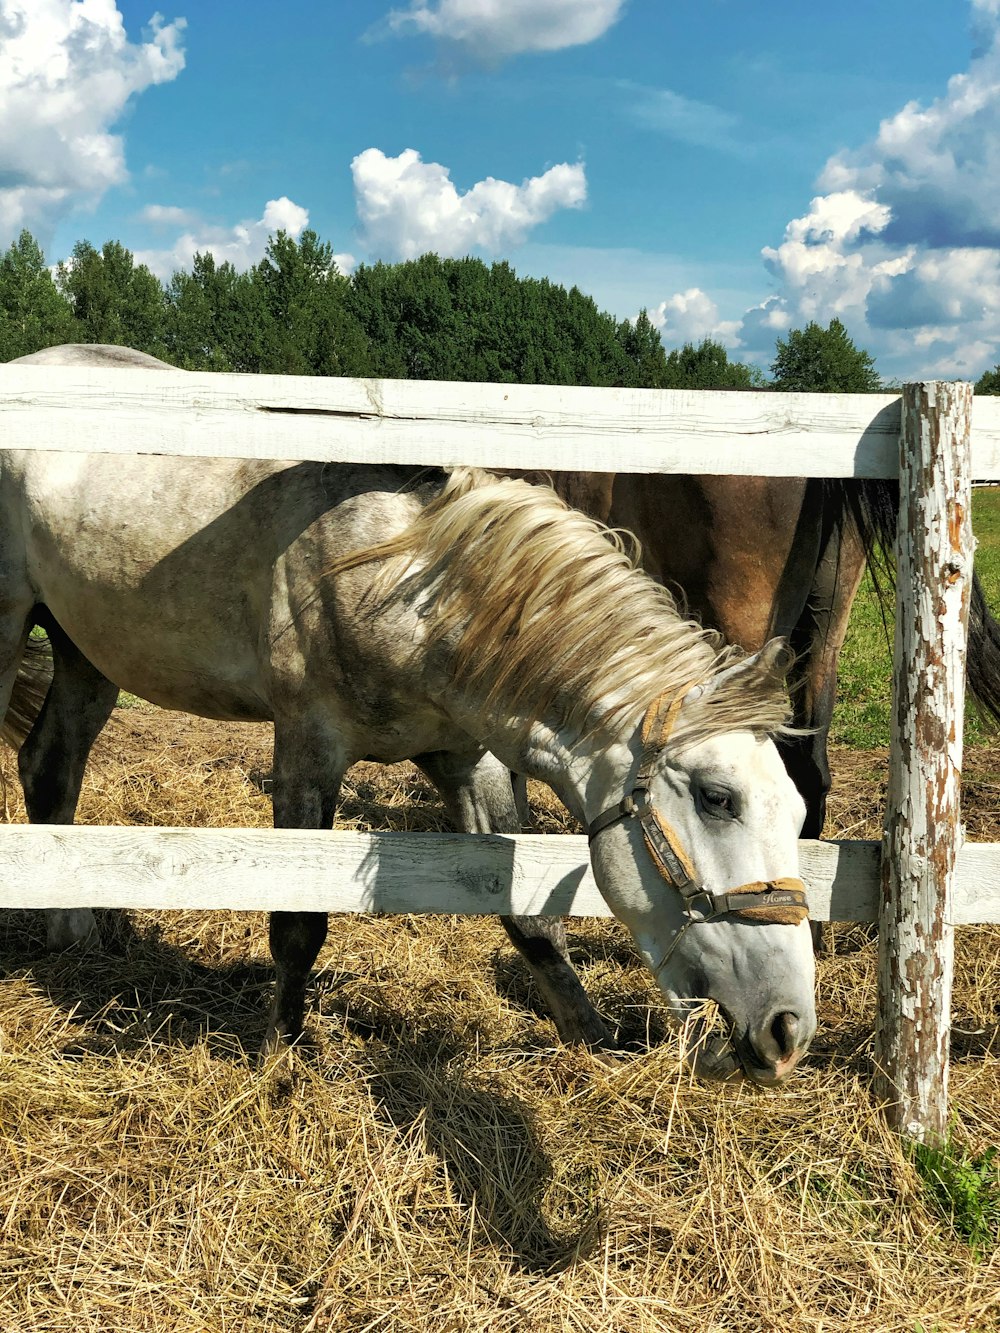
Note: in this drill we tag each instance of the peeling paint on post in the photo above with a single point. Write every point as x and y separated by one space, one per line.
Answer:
923 832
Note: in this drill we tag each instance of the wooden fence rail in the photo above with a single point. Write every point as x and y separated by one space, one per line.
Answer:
466 874
440 423
616 430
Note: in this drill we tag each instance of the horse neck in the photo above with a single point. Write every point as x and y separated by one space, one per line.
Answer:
588 772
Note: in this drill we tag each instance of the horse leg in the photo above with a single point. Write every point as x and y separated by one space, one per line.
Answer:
53 757
519 785
817 640
479 797
541 942
308 770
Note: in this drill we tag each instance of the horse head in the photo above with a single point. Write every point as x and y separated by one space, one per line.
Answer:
700 860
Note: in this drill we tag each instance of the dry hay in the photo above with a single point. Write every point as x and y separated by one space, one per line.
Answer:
433 1162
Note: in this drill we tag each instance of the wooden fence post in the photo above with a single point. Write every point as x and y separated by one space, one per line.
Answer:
923 833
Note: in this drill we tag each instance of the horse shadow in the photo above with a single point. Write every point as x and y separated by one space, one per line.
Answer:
137 987
488 1141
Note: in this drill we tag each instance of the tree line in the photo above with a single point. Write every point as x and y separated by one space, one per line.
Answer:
429 318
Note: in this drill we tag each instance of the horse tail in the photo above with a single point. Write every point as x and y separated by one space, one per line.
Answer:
873 507
34 676
983 667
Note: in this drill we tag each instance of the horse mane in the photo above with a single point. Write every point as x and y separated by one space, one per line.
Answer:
540 605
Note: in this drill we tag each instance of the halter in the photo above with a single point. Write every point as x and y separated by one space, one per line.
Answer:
779 901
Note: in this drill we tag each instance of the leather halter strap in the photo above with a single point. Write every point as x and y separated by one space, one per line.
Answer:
780 901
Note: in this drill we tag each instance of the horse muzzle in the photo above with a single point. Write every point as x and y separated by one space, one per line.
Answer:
765 1056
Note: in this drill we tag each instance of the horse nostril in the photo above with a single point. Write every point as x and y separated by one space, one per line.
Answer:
770 1053
785 1032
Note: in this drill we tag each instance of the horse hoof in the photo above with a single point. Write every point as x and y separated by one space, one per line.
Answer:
68 927
589 1031
610 1056
278 1047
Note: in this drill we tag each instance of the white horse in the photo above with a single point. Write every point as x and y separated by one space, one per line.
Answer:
381 612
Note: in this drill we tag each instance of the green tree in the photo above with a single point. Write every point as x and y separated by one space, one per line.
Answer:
566 339
309 328
433 318
989 381
708 366
818 360
644 352
33 314
216 318
114 299
408 314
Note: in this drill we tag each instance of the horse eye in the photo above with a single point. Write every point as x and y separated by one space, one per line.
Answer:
717 803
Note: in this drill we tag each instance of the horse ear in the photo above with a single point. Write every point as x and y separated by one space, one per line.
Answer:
766 669
772 662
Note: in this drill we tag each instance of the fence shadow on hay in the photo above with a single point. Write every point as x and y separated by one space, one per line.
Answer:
973 1044
136 985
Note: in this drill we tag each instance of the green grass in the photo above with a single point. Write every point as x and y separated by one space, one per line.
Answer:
965 1187
861 718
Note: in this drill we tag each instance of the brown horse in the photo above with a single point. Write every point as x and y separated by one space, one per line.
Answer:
757 557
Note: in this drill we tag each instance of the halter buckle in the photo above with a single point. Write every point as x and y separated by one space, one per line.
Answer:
700 905
636 808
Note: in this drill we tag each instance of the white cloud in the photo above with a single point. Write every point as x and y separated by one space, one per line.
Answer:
760 328
682 118
492 30
940 288
910 257
830 258
936 168
242 245
67 72
690 317
831 263
837 218
166 215
407 206
903 241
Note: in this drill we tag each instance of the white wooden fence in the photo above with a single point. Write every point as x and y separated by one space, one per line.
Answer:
615 430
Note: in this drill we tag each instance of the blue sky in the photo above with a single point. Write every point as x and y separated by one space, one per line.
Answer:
737 167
